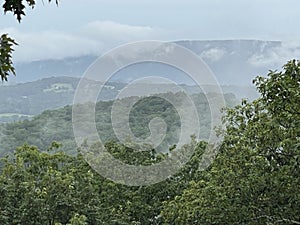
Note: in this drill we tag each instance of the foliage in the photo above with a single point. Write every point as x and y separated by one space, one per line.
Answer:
56 125
48 188
44 188
6 50
78 220
255 178
17 7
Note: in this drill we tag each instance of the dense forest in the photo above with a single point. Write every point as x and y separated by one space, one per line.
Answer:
254 178
56 125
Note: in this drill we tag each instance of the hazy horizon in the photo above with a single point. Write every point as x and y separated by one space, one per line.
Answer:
93 27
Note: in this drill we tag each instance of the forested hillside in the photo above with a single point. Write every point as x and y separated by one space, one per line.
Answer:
160 129
253 180
56 125
25 100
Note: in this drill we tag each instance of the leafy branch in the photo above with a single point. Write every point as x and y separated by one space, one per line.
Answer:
17 7
6 49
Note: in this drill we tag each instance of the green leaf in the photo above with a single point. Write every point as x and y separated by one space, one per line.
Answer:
6 50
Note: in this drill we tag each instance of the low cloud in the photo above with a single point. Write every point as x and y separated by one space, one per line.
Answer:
213 55
109 30
94 38
277 56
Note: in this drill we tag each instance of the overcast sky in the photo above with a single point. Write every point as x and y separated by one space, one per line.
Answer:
78 27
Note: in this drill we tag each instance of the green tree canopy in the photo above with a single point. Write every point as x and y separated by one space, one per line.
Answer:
255 178
53 188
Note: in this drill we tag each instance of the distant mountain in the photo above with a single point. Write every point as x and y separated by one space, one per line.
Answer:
234 62
22 101
35 70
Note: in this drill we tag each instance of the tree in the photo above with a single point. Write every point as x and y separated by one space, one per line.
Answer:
142 205
48 188
16 7
255 177
40 188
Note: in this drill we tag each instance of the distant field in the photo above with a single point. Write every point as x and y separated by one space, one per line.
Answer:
60 87
9 117
13 114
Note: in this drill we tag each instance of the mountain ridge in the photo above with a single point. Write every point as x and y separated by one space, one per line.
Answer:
21 101
232 61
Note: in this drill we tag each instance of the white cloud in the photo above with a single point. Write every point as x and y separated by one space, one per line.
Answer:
110 29
277 56
213 55
94 38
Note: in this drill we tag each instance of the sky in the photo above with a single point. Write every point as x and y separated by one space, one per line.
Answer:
81 27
